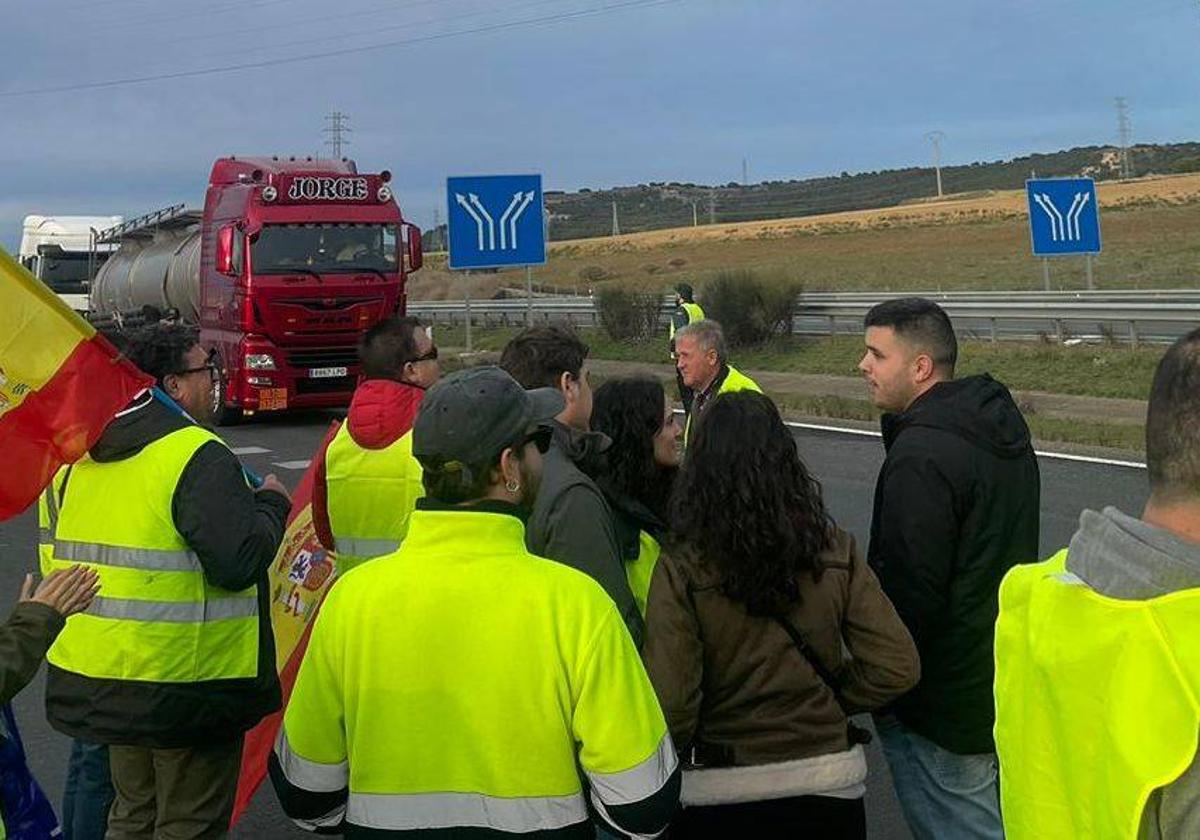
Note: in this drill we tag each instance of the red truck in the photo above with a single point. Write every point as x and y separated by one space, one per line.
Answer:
289 262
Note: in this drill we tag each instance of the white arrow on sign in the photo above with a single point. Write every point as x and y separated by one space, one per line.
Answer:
471 212
512 205
512 222
491 222
1057 225
1076 211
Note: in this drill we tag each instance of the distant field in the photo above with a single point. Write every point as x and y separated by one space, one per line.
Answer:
1150 227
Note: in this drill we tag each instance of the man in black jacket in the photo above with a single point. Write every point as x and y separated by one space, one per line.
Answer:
174 734
956 506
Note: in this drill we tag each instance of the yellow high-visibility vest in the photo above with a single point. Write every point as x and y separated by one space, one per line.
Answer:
640 570
694 313
156 617
734 381
371 493
463 681
1096 702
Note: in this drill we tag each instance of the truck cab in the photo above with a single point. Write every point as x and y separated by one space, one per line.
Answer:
58 251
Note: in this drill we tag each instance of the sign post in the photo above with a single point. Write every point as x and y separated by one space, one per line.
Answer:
496 221
1064 219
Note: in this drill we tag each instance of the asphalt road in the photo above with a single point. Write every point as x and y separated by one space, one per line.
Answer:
846 466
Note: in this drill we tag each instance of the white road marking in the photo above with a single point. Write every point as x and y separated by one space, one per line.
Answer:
293 465
249 450
1061 456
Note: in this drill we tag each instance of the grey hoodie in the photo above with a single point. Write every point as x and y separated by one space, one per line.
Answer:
1123 557
573 524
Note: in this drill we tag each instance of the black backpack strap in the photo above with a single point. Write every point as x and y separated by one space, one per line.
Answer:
855 733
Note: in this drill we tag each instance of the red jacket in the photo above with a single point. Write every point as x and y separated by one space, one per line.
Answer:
381 412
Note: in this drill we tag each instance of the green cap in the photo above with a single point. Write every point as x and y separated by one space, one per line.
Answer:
472 415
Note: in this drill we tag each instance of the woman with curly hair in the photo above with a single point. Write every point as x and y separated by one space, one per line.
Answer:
637 471
765 630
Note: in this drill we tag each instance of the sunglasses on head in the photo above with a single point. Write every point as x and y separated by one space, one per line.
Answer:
539 437
427 357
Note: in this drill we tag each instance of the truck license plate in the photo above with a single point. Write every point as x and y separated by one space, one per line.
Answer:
326 373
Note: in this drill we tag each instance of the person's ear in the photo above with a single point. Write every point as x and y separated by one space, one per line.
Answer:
510 469
923 368
171 386
568 385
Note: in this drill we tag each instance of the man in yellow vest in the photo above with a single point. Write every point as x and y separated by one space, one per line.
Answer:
1098 655
368 481
701 357
463 687
687 311
174 660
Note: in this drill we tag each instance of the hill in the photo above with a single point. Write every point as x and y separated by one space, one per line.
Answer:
655 206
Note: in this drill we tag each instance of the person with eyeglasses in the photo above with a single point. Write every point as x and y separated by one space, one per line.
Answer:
159 679
463 686
368 481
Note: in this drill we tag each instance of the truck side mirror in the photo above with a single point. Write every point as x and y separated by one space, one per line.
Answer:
225 251
415 256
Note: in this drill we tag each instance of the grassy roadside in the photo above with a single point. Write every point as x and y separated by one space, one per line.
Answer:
1083 370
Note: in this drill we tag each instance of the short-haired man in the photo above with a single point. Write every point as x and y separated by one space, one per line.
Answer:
571 522
956 507
463 687
368 481
1097 654
702 361
687 311
174 661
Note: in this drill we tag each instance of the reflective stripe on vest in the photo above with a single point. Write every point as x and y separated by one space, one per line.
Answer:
520 694
735 380
640 570
156 617
1096 702
370 495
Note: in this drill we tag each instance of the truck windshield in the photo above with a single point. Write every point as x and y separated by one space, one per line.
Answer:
67 273
326 249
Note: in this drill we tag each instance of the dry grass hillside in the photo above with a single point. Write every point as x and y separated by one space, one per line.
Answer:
1150 230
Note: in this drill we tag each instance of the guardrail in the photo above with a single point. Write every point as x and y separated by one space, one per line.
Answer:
1136 316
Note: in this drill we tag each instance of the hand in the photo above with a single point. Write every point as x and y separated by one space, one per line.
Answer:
68 591
273 483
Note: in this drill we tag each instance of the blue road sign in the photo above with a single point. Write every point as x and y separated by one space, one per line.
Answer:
495 221
1064 217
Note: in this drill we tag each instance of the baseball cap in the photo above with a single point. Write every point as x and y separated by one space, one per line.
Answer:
472 415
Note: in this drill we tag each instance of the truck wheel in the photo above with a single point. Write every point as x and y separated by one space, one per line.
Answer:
225 415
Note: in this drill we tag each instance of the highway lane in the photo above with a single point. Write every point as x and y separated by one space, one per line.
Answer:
846 466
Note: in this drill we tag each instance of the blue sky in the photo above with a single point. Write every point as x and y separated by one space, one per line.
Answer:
637 92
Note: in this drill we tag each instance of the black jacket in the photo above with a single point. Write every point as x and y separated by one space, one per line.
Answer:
956 506
235 533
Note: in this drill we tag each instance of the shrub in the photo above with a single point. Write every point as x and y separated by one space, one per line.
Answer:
592 273
750 309
627 315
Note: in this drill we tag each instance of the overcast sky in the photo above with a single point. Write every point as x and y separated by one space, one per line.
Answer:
637 91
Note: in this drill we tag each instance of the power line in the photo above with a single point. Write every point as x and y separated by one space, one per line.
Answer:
936 138
1124 133
296 59
338 126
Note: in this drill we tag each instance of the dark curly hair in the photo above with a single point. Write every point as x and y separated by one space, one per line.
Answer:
630 411
746 506
537 357
159 349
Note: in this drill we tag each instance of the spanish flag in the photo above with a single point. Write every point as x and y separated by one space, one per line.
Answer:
60 385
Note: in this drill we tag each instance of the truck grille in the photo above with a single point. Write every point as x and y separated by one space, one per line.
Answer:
323 357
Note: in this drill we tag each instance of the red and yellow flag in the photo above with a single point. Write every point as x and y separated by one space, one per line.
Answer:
300 577
60 385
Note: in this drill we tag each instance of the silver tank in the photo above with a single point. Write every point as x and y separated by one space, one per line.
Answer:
163 272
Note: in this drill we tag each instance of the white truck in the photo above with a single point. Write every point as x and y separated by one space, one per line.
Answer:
58 250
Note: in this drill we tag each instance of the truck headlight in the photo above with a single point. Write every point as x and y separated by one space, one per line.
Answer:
384 193
269 193
260 361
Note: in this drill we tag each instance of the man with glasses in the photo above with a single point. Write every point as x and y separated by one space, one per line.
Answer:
368 481
174 661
